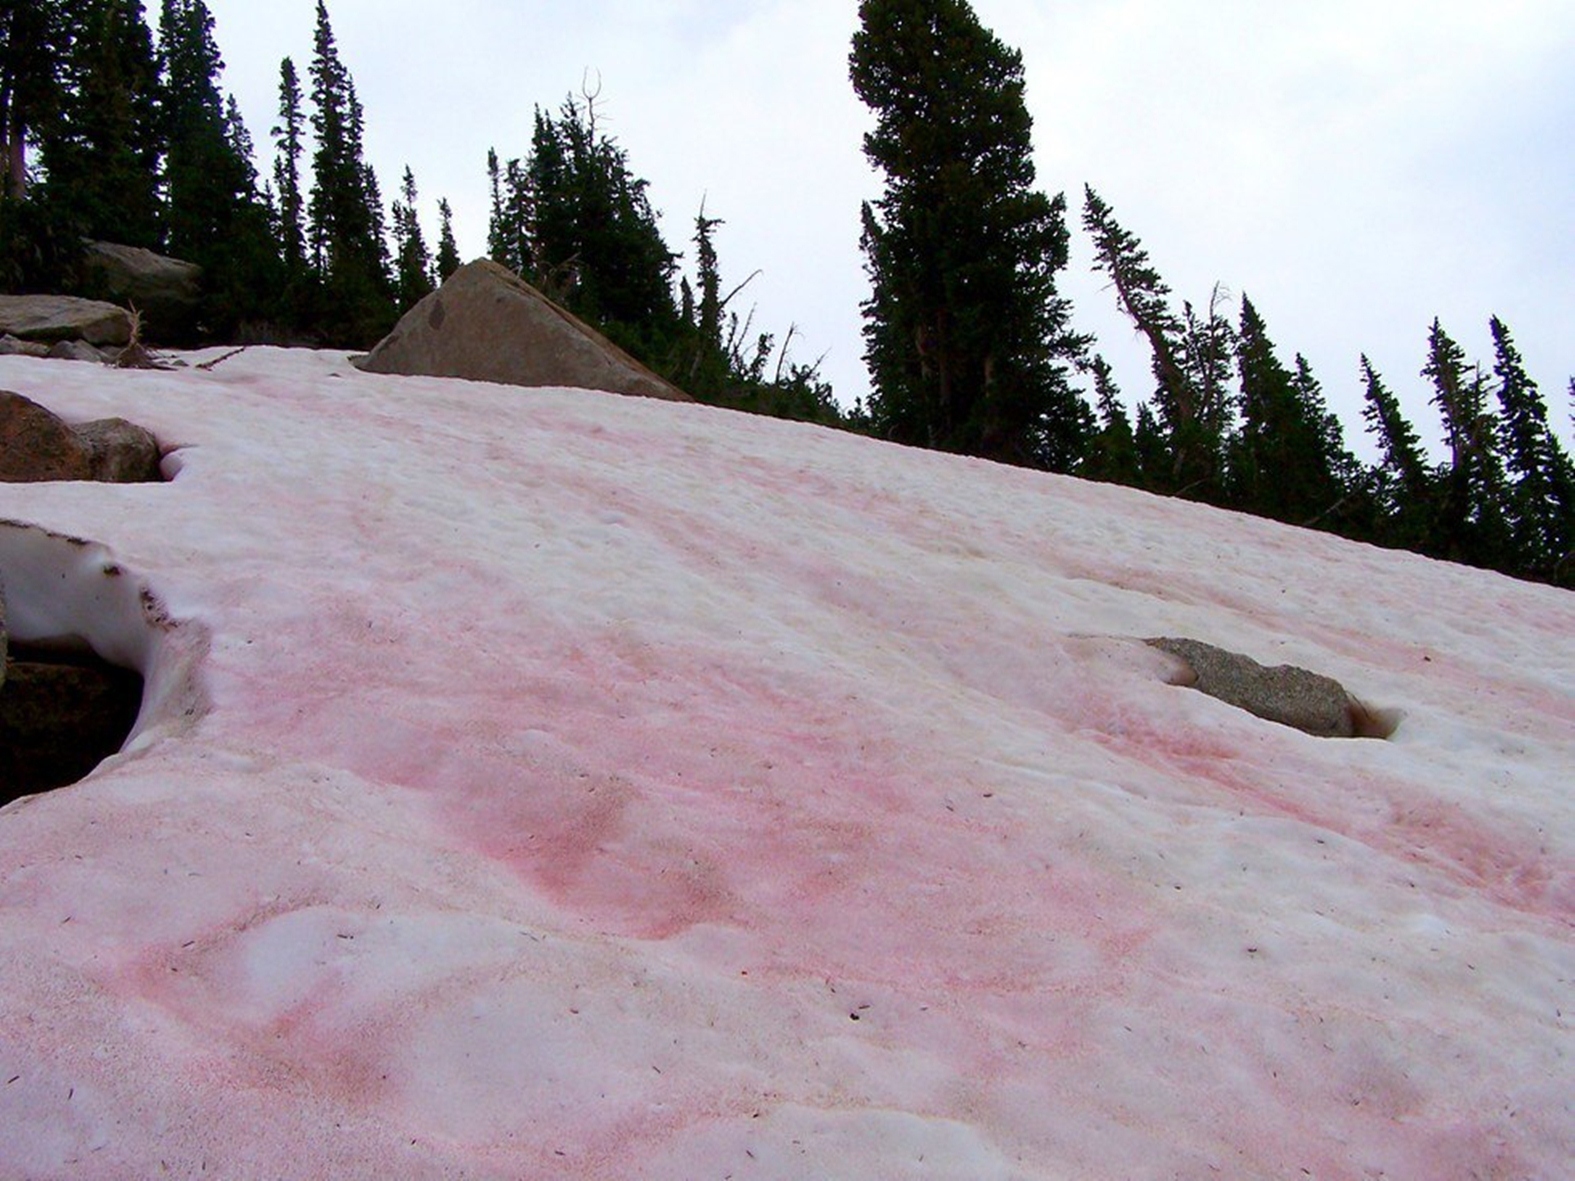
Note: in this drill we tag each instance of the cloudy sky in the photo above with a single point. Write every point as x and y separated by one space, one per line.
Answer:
1357 167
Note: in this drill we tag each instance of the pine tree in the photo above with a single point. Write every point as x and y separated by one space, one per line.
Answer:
968 341
1287 459
509 230
1112 452
214 213
1405 485
1541 499
448 249
345 217
1188 357
35 44
591 233
289 147
102 157
1471 518
412 259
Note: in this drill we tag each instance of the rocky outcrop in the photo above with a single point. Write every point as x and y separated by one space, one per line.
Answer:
167 292
60 718
48 319
1315 704
35 445
487 324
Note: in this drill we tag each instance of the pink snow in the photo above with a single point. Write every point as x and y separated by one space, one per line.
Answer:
544 784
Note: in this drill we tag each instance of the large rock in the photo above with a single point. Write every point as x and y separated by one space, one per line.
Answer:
35 445
120 452
166 291
487 324
1310 702
51 318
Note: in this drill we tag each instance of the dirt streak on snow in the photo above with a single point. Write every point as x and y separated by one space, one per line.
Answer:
586 786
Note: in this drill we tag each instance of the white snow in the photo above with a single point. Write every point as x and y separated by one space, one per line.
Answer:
544 784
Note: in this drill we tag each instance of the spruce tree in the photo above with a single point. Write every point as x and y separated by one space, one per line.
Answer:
1540 501
214 213
1188 357
967 339
1471 519
102 157
1112 452
448 249
1287 459
591 233
345 217
35 43
1406 490
412 259
289 147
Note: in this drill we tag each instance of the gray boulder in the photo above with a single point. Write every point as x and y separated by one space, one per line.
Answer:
120 452
35 445
487 324
76 350
166 291
1291 696
52 318
12 346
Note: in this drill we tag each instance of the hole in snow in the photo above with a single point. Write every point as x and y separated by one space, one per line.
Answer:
93 664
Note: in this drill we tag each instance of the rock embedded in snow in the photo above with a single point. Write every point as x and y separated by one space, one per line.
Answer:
119 452
51 318
487 324
1307 701
12 346
35 445
76 350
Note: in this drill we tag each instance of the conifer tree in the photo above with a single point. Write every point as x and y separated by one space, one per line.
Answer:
289 148
215 216
593 241
448 249
509 230
412 259
1189 358
1287 459
968 342
35 44
1405 484
102 157
1471 518
344 207
1541 499
1112 452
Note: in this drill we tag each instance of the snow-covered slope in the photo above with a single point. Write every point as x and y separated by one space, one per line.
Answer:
543 784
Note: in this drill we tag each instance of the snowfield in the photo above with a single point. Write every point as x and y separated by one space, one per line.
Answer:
546 784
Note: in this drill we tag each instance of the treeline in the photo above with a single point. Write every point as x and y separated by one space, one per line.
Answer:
971 348
107 133
110 134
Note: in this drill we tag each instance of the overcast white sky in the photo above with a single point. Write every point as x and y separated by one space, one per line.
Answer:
1355 166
